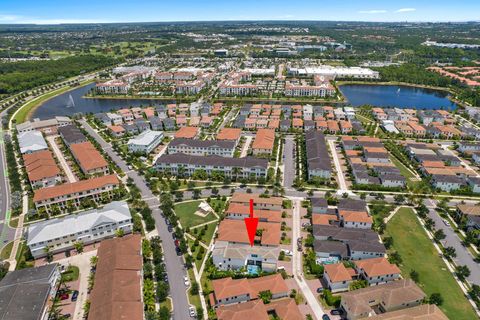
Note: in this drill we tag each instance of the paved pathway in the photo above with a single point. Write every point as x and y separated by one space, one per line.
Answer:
341 178
61 159
248 140
289 162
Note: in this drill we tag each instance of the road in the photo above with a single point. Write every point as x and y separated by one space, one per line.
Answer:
452 240
297 265
338 168
289 162
61 159
174 263
7 234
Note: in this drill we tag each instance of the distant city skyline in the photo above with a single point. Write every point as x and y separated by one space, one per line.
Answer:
108 11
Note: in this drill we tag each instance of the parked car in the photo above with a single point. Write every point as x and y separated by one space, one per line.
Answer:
336 312
446 222
74 295
320 290
325 317
177 243
287 252
64 296
66 316
193 312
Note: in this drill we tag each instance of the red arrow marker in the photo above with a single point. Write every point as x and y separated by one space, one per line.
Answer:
251 223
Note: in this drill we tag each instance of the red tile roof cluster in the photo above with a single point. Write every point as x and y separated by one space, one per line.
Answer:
40 165
88 157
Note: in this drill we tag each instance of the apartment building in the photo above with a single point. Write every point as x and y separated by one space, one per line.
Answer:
234 231
72 194
318 158
71 134
89 159
377 270
117 290
27 293
264 142
113 87
88 227
223 148
338 277
259 203
31 141
145 142
42 170
179 163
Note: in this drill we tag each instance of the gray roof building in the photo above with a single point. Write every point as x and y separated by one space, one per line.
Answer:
318 159
71 134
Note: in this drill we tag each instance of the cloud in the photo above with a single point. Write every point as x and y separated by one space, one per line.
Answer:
9 18
372 11
406 10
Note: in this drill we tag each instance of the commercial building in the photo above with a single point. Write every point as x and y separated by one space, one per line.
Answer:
89 159
117 290
179 163
26 294
145 142
72 194
318 159
48 126
42 170
194 147
87 227
31 141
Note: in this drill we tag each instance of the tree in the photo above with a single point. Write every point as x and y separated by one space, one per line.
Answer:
439 235
363 196
358 284
462 272
119 233
78 246
450 252
399 198
414 275
436 298
266 296
194 288
395 258
48 251
388 242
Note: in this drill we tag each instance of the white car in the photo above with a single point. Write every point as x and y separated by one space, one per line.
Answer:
446 223
287 252
193 312
186 281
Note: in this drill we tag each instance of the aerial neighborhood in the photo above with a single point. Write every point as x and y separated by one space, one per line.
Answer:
240 171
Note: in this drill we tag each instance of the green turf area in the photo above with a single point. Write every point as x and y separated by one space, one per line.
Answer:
186 213
70 274
419 254
5 254
403 170
193 298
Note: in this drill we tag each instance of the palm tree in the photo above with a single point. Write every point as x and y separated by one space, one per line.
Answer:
78 246
48 252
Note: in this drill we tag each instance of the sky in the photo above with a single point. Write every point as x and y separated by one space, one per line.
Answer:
98 11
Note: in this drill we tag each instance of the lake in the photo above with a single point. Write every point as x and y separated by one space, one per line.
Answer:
73 101
396 96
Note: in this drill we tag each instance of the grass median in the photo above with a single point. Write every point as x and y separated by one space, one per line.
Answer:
418 253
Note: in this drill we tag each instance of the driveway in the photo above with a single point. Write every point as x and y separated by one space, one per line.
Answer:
289 162
341 178
174 263
248 140
61 159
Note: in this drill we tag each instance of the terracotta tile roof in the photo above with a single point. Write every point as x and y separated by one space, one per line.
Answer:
40 165
353 152
228 287
296 122
117 292
229 134
433 164
241 197
377 267
116 129
333 125
235 231
264 139
338 273
421 312
75 187
269 215
355 216
367 139
248 310
274 124
323 219
286 309
345 124
469 209
375 149
88 156
187 132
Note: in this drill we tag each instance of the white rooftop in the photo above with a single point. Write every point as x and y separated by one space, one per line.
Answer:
31 141
145 138
113 212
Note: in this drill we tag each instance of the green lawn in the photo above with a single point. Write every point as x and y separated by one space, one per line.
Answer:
403 170
186 213
419 254
71 274
6 251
